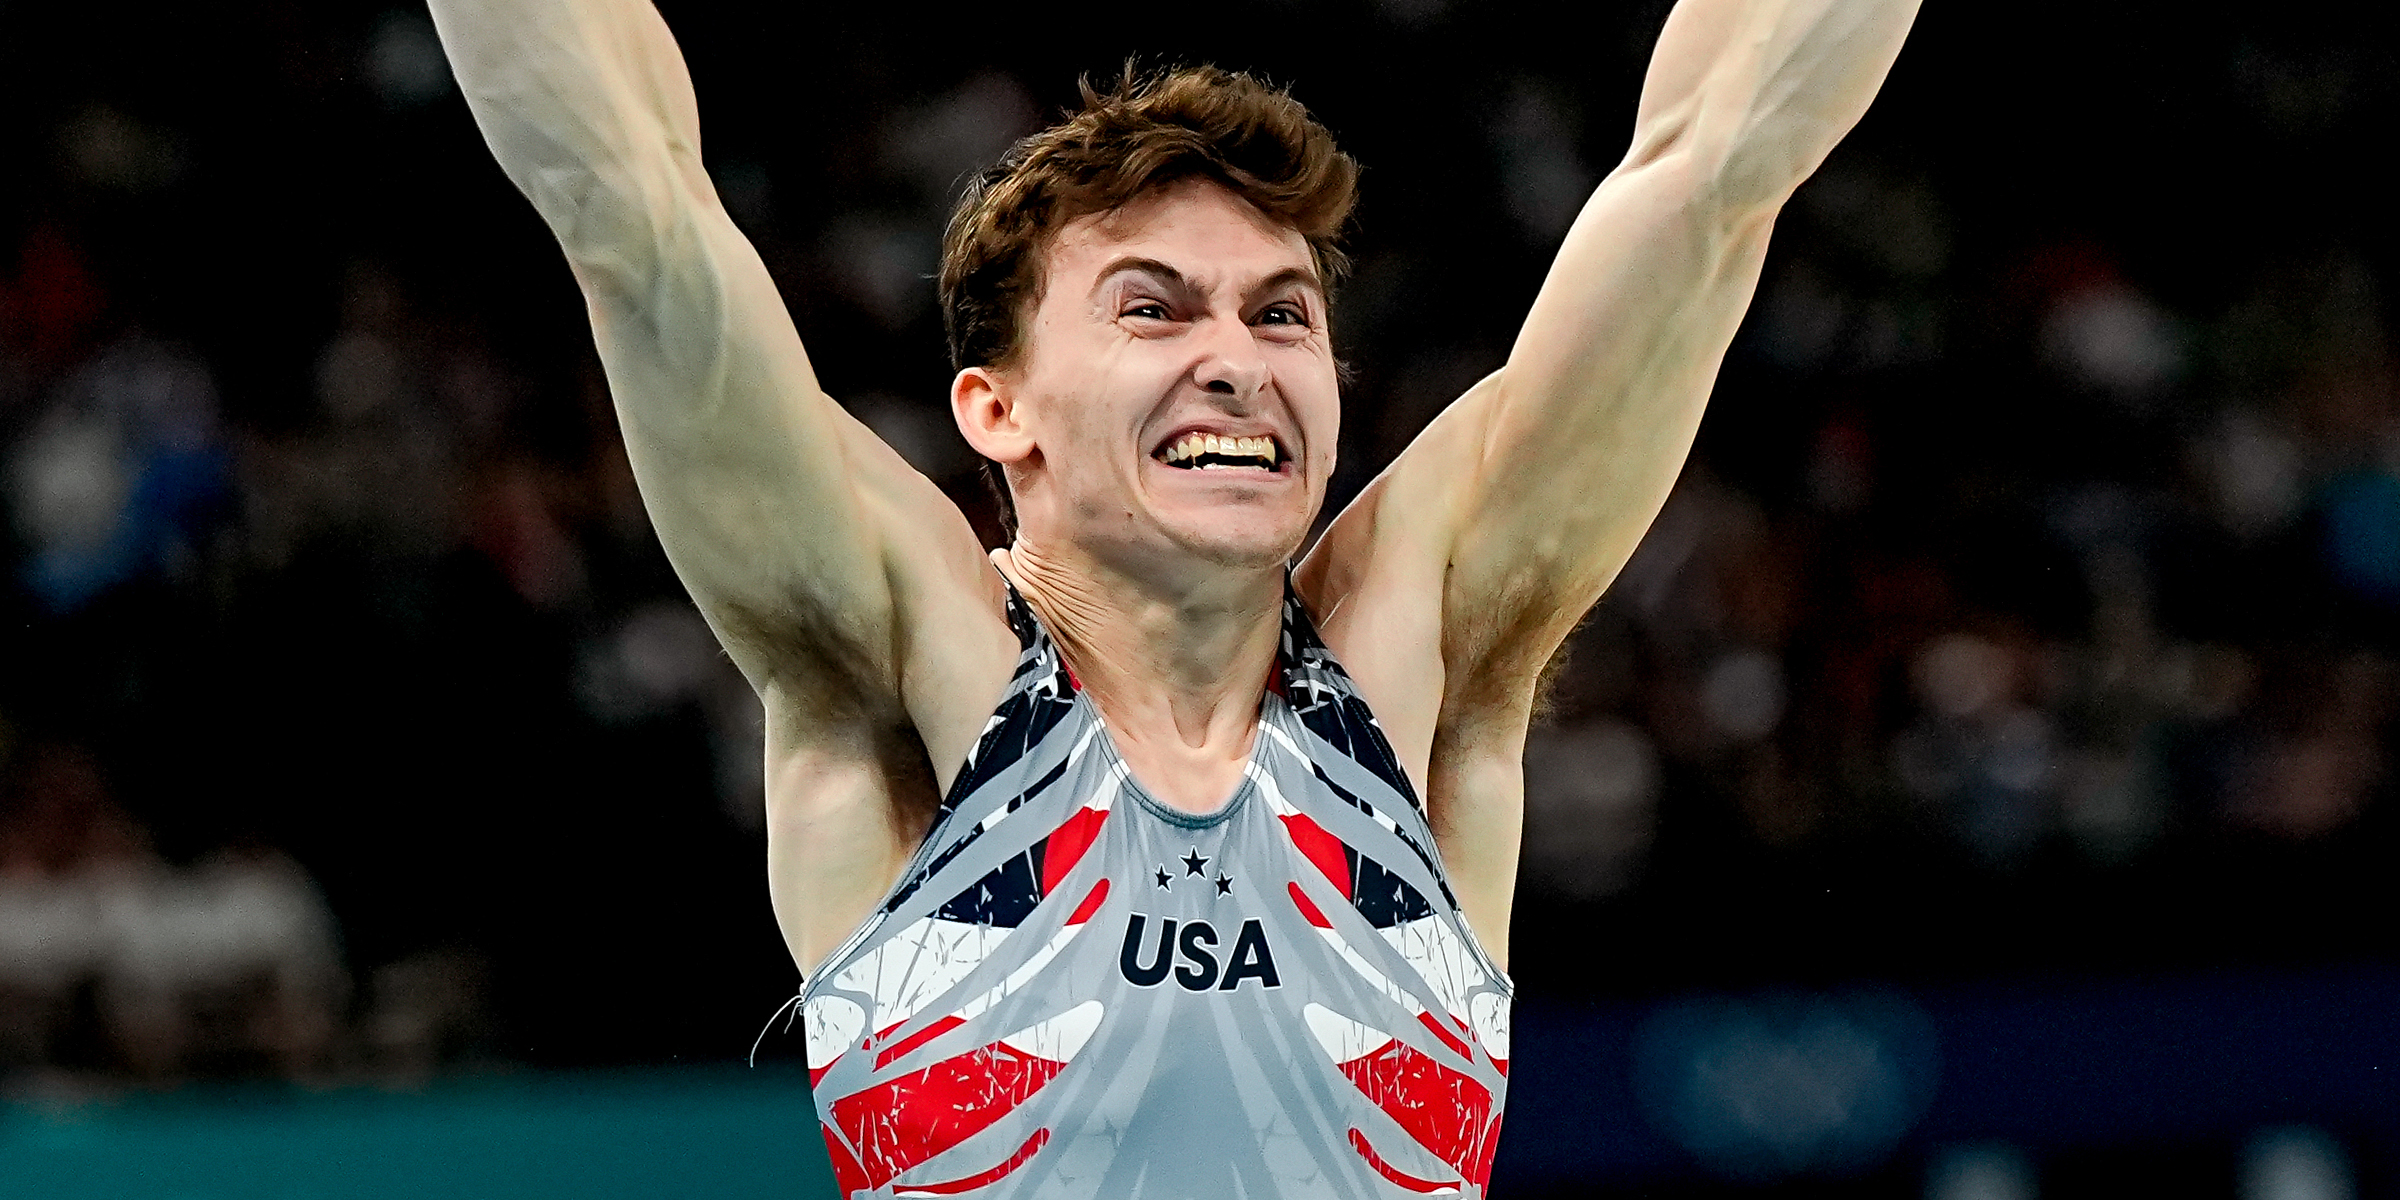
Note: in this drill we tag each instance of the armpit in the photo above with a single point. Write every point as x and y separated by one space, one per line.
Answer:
818 671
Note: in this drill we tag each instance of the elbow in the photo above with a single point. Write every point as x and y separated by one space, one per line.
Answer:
1755 174
601 239
616 232
1739 161
1721 192
1740 171
612 201
1660 137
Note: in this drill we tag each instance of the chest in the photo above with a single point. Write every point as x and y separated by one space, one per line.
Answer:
1070 961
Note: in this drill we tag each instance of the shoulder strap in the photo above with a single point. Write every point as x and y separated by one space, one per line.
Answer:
1320 693
1020 614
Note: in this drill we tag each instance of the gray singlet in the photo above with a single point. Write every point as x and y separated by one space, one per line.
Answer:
1078 991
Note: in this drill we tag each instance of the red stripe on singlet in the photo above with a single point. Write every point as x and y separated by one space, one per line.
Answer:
1358 1142
970 1183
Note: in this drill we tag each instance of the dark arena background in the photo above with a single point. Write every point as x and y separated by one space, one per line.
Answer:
1979 787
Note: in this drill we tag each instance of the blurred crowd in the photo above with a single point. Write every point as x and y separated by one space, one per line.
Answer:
351 720
2191 641
221 625
226 963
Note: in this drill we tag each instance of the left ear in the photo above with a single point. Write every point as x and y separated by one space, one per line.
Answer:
985 408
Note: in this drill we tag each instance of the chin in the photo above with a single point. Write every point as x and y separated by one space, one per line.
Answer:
1250 545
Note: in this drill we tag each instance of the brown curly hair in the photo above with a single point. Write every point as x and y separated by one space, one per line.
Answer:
1148 132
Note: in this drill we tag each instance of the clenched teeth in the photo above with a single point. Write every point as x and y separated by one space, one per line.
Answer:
1229 451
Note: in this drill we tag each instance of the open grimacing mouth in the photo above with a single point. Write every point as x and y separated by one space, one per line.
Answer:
1209 451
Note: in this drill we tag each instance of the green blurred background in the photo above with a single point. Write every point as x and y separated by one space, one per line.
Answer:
725 1132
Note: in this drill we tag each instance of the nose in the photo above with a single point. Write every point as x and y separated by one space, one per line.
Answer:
1231 364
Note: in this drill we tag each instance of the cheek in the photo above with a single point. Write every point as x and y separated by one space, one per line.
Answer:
1084 444
1321 414
1119 390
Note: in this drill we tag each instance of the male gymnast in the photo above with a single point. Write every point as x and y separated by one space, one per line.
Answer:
1133 859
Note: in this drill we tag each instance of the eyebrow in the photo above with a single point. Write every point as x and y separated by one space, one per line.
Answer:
1176 279
1288 276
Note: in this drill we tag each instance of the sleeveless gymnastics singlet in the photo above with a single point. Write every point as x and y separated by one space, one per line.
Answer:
1076 991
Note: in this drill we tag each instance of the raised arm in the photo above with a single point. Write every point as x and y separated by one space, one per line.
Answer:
1583 432
1522 501
815 552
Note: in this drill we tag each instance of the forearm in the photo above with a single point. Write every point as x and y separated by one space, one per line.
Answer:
1761 90
588 109
1744 99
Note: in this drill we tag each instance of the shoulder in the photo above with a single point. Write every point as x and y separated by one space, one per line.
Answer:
1380 616
1383 588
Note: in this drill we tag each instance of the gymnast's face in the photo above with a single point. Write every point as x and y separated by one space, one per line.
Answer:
1174 398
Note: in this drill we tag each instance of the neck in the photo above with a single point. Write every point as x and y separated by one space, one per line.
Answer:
1176 669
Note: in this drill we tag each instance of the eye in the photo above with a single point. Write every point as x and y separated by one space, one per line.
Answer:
1284 314
1148 310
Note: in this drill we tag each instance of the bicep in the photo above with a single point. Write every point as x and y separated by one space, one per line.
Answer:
761 488
1521 501
1587 426
823 560
1592 417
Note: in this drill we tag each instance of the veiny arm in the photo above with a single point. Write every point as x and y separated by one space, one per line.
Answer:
1587 426
785 517
1523 500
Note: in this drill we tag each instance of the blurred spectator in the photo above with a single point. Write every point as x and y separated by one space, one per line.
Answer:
376 472
46 309
1980 751
2314 773
425 1012
230 965
117 477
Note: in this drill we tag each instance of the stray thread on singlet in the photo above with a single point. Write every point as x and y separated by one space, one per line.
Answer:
791 1006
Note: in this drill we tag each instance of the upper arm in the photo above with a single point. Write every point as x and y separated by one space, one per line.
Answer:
1461 568
1582 433
1492 533
778 509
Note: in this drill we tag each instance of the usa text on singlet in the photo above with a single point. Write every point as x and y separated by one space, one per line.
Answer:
1077 991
